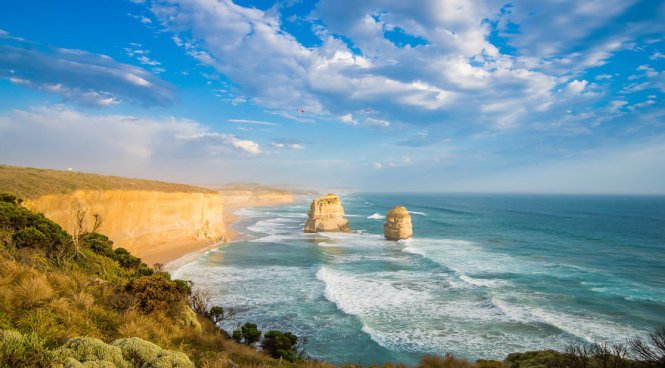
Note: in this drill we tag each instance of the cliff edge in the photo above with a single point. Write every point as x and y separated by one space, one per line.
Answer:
326 214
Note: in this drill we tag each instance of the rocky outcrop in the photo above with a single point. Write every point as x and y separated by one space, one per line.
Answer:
326 214
140 219
398 224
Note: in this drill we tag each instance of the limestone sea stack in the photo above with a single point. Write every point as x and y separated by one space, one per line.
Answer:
326 214
398 224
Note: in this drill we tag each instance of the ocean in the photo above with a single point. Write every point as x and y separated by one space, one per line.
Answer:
483 276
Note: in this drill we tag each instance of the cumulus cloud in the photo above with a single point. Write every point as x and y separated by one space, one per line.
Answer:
469 54
81 77
458 67
577 86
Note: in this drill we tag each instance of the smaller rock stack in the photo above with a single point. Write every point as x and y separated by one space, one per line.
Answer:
398 224
326 214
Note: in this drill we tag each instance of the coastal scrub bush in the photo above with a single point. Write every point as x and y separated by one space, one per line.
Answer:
125 259
17 350
157 293
98 243
280 344
535 359
88 349
247 333
29 237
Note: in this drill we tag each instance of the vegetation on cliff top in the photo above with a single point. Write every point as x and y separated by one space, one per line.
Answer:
28 182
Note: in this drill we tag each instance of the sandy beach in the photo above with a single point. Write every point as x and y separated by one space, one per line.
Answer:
174 254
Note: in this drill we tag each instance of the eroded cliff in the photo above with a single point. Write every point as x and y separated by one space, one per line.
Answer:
139 220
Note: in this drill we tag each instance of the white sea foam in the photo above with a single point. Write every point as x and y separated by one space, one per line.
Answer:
376 216
418 213
589 328
490 283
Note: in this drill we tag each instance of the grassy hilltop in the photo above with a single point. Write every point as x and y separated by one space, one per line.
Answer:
28 182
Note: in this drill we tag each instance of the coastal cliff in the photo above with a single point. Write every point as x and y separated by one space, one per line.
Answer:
398 224
155 220
326 214
137 219
251 195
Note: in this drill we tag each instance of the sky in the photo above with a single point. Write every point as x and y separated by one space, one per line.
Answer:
551 96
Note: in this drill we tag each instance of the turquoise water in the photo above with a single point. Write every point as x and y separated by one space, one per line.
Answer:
484 275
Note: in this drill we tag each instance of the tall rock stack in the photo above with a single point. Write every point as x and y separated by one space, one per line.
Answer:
326 214
398 224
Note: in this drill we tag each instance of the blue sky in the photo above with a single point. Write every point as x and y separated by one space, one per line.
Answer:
450 95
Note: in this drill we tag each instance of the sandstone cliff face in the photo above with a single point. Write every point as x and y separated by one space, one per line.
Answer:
136 219
326 214
398 224
250 198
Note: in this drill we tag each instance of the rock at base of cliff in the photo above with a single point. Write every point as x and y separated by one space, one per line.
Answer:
398 224
326 214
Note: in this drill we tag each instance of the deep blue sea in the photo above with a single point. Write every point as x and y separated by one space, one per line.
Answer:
483 276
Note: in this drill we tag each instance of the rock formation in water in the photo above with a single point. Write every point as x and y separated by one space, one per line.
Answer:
398 224
326 214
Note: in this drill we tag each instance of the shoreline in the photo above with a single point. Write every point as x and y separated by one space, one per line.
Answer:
175 255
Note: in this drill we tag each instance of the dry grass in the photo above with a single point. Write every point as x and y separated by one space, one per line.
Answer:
26 182
33 290
447 361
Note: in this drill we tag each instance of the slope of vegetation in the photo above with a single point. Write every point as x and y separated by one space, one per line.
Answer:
28 182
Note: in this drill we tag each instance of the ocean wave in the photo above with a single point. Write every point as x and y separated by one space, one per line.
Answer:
490 283
588 328
418 213
376 216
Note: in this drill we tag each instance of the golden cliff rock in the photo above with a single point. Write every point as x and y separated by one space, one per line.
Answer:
326 214
398 224
136 219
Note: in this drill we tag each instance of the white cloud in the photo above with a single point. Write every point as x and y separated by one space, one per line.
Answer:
348 119
74 138
254 122
285 144
82 77
576 87
657 56
245 145
458 69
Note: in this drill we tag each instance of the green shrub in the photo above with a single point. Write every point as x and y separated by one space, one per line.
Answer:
10 198
247 333
17 350
29 237
88 349
169 359
137 351
99 244
126 259
535 359
279 344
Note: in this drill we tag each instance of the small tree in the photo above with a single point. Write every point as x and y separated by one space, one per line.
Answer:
218 314
247 333
280 344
